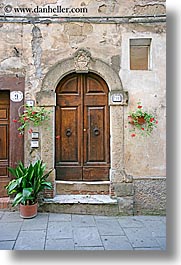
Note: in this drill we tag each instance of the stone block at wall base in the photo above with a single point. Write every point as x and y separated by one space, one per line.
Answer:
150 196
123 189
125 205
4 203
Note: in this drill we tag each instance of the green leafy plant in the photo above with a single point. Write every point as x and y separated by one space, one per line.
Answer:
142 121
32 115
29 182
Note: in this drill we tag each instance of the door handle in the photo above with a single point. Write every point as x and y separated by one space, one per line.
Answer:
68 132
96 131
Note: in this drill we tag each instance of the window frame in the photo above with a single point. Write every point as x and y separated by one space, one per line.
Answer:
141 42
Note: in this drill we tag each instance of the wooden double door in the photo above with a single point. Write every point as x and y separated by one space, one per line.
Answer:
82 128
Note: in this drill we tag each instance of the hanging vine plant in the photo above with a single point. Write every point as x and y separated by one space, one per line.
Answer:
31 116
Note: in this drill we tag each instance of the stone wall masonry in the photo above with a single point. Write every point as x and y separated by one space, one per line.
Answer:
149 9
149 196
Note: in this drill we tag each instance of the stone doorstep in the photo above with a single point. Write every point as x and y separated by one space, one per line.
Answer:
81 204
83 188
82 199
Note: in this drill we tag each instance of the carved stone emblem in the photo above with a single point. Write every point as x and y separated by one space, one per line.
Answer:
81 61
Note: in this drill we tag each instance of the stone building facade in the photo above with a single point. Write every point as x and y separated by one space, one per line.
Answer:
91 39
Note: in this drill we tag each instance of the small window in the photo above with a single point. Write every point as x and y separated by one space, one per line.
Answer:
140 54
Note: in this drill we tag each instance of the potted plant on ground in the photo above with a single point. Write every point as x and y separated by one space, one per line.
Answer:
28 183
141 120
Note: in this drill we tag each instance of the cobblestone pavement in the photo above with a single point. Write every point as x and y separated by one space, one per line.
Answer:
51 231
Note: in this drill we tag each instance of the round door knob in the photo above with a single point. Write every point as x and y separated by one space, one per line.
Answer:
68 132
96 131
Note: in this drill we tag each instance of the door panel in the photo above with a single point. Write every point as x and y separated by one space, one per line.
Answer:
4 171
95 117
82 127
3 142
95 173
73 173
69 135
3 114
94 84
70 85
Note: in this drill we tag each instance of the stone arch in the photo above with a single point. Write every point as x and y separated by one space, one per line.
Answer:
67 66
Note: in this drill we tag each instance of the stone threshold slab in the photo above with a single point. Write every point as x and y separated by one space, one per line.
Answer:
83 199
83 182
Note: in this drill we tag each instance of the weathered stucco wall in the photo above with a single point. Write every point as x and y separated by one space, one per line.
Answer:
31 50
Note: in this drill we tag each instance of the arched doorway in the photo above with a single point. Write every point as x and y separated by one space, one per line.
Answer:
47 97
82 147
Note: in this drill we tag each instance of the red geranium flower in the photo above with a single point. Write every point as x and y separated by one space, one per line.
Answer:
151 119
133 135
30 131
25 119
143 129
156 122
33 113
139 106
15 120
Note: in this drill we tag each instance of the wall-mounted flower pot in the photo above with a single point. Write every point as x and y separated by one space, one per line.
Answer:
28 211
140 120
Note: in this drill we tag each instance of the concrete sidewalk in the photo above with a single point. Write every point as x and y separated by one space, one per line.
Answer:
51 231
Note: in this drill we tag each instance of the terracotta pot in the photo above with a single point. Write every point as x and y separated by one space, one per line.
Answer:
140 120
28 211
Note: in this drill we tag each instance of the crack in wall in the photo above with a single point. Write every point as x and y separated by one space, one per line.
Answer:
37 50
